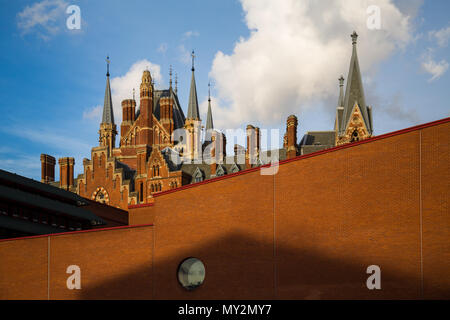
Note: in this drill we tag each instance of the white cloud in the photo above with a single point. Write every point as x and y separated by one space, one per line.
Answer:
190 33
435 69
162 48
295 53
44 18
441 36
122 86
184 55
50 138
93 113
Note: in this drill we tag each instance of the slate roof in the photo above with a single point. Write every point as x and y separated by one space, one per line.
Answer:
108 114
209 118
178 114
324 138
193 112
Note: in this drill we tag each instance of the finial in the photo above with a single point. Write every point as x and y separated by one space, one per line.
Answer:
354 36
133 93
107 65
170 76
176 82
209 91
341 81
193 57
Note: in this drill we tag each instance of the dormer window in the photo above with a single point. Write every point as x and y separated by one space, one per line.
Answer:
198 176
220 171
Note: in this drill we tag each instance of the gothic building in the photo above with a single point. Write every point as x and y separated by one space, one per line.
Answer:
160 148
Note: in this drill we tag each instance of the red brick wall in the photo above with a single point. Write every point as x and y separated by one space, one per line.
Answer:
311 230
307 232
115 264
435 181
23 269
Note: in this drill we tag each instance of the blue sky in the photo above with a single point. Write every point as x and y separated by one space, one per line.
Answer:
260 58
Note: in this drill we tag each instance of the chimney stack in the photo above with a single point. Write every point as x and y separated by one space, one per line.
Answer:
291 136
66 172
253 145
47 168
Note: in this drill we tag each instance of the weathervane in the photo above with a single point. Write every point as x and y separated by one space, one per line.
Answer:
107 65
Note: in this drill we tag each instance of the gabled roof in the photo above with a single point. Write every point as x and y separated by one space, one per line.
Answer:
354 92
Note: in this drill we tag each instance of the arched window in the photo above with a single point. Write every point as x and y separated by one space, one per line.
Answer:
157 170
355 136
153 188
141 192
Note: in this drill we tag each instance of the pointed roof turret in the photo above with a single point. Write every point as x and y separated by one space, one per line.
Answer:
108 114
209 119
193 112
354 92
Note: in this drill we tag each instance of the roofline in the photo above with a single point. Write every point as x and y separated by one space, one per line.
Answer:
141 205
309 155
76 232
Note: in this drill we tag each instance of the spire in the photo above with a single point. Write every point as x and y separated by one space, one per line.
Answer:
209 119
176 83
354 92
341 91
193 112
170 77
108 114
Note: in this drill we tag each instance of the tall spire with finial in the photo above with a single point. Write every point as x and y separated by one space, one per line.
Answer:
209 119
176 83
354 92
108 115
107 130
193 112
170 76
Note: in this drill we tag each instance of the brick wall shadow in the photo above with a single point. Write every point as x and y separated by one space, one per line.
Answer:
234 274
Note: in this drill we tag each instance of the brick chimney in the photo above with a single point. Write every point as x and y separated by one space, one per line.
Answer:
128 115
291 136
47 168
253 145
66 172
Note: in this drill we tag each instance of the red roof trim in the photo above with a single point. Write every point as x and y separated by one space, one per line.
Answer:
76 232
141 205
350 145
